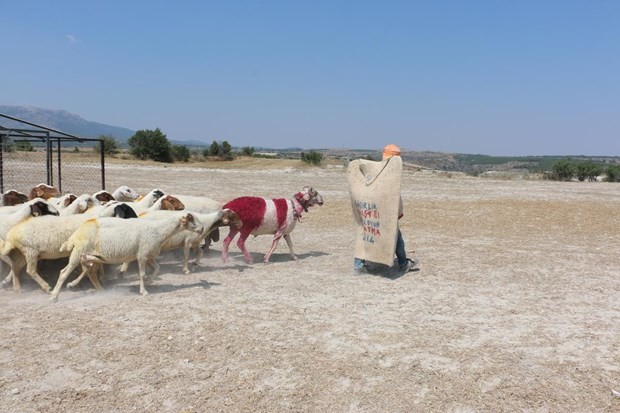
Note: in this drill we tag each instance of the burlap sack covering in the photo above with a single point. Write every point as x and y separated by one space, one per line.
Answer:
374 188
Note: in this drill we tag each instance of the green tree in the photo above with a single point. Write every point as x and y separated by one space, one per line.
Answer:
588 170
313 157
214 149
564 170
24 146
222 151
248 151
180 153
613 173
110 145
150 144
227 151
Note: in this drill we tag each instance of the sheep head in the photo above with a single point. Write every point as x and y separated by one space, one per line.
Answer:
171 203
40 207
126 193
44 191
309 197
191 223
13 197
103 197
69 198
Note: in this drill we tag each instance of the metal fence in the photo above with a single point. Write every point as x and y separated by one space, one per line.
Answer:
29 157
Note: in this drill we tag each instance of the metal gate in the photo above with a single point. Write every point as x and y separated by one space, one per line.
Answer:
31 156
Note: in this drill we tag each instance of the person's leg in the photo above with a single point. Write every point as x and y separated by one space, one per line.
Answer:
401 255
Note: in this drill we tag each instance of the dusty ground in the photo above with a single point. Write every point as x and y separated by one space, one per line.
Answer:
515 308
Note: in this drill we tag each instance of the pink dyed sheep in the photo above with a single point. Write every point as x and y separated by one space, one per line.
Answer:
261 216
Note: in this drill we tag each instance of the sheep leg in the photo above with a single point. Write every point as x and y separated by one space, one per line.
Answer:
94 279
78 279
274 244
199 253
231 235
241 245
155 265
16 269
16 262
289 242
7 259
31 269
74 260
186 270
122 270
141 270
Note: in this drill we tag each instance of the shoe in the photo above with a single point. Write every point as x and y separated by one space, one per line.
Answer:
360 271
411 265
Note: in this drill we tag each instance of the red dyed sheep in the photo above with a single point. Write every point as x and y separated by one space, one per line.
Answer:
261 216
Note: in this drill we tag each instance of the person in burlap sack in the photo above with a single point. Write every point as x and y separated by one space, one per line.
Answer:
404 264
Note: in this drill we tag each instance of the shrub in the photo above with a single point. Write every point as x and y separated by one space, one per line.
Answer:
313 157
222 151
110 145
588 170
613 173
180 153
247 151
563 170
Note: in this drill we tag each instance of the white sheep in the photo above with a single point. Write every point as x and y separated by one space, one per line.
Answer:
200 204
115 241
123 194
79 205
64 201
190 239
35 239
268 216
203 205
34 208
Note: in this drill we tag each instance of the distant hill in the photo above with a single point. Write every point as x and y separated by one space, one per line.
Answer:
61 120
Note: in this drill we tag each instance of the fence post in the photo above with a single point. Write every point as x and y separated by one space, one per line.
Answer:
102 154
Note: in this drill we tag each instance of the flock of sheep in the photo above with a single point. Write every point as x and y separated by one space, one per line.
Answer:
120 227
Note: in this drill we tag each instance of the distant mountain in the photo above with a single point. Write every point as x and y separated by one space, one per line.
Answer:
60 120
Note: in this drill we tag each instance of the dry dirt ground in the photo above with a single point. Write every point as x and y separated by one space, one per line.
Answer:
516 307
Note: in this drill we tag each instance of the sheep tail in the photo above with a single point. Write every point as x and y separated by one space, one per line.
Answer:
91 259
5 247
67 246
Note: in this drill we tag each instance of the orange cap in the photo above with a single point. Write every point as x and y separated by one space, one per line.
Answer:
391 150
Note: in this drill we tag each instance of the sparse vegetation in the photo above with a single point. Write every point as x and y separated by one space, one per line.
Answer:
180 153
110 145
247 151
613 173
313 157
563 170
222 151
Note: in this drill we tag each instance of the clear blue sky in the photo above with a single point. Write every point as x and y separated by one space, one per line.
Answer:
492 77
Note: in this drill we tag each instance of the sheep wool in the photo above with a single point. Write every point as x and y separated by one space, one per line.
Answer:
261 216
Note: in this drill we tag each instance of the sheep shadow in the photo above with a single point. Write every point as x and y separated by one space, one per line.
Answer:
258 257
157 288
